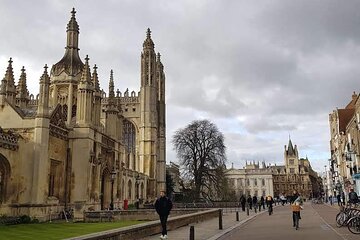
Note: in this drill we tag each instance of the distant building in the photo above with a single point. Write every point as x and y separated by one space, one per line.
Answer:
173 170
296 174
251 180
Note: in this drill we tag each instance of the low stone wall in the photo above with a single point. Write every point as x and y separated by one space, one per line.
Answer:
140 214
150 228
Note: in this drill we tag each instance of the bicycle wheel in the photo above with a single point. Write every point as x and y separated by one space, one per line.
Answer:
340 219
354 225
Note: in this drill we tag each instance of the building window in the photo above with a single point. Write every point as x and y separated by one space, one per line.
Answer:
256 193
4 176
263 182
291 161
247 182
54 179
292 170
263 193
255 182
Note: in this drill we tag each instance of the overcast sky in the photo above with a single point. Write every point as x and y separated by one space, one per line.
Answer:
260 70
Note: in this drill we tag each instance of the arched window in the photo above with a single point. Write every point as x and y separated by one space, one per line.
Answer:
129 136
4 176
129 190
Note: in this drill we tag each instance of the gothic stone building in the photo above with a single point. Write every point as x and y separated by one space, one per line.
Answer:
73 146
296 174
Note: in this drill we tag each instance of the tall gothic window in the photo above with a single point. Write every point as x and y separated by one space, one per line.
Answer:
129 138
4 176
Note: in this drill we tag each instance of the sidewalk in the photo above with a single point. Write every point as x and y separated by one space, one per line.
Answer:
209 229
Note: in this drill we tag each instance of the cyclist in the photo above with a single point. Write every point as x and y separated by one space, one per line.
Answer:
269 203
296 203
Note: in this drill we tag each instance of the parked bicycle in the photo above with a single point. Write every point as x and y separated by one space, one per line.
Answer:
347 212
353 225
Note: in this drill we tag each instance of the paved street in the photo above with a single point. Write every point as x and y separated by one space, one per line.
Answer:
318 222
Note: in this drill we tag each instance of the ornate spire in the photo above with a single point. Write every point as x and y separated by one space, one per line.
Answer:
95 79
22 87
86 75
73 25
45 79
71 62
10 83
158 60
9 77
3 87
111 85
290 148
43 104
148 43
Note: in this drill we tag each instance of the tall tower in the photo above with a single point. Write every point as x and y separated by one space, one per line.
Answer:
161 153
66 74
85 97
291 158
41 143
111 111
148 114
97 98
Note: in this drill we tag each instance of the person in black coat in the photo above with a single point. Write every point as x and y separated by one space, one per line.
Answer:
163 206
249 201
242 202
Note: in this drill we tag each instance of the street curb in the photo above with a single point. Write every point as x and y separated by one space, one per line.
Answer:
226 231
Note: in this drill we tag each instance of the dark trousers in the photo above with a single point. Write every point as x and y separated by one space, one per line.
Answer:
295 213
163 220
243 207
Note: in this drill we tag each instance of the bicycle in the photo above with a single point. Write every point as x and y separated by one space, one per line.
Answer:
343 217
353 225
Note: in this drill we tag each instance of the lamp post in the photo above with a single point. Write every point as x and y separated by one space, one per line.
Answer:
113 176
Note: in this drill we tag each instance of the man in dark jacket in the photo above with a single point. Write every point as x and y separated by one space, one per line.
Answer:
242 202
353 197
163 206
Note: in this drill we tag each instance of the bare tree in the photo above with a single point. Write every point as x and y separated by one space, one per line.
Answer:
201 150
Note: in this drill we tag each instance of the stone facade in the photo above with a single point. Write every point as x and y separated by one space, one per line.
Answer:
73 145
251 180
344 165
295 174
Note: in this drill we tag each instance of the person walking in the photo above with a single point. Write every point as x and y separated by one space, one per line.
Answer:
296 204
262 202
338 196
255 201
249 201
353 197
269 204
163 206
242 202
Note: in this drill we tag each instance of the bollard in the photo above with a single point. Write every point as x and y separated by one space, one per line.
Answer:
237 216
255 208
220 219
260 208
192 233
247 210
